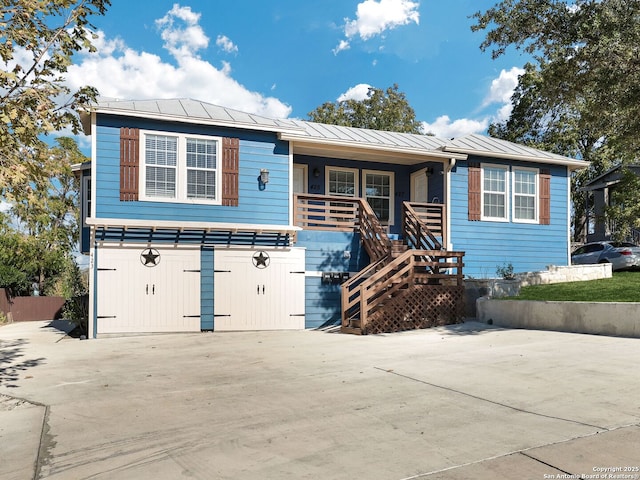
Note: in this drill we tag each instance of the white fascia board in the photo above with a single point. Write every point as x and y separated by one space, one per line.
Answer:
569 163
196 121
302 140
171 224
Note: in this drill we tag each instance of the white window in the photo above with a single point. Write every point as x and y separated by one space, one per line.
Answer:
525 194
342 181
182 168
494 193
379 192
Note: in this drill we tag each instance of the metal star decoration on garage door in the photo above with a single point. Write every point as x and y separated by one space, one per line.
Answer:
261 260
150 257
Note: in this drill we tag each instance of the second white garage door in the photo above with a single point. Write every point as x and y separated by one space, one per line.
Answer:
259 289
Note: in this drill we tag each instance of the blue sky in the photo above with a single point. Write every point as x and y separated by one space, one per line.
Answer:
283 58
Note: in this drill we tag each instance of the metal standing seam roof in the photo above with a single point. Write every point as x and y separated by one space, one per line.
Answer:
194 111
481 145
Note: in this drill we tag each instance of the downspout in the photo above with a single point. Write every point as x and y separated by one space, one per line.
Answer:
291 204
447 182
94 313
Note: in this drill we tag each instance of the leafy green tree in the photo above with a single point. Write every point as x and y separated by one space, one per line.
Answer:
386 110
17 269
39 39
625 207
43 226
580 95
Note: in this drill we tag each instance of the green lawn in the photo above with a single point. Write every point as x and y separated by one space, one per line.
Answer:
623 287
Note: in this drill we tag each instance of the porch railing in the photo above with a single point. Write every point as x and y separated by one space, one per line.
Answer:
423 224
346 214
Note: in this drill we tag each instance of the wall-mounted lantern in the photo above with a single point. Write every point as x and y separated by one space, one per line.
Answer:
264 176
316 172
428 171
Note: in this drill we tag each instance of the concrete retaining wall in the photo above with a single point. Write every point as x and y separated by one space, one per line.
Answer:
615 319
499 287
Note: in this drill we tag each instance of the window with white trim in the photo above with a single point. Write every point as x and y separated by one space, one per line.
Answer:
494 192
525 195
342 181
379 192
178 167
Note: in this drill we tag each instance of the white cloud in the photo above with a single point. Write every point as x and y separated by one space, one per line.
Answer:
121 72
374 17
180 31
226 44
343 45
499 95
443 127
358 93
502 87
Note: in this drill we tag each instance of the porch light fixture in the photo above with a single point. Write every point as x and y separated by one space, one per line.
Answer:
264 176
428 171
316 172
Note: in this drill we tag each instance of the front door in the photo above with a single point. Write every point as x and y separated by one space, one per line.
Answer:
299 179
420 187
259 289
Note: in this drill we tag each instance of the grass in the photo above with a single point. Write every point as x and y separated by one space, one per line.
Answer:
622 287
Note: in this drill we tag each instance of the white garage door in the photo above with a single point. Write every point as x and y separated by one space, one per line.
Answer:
148 290
259 289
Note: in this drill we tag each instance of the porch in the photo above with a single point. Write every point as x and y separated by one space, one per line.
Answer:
411 280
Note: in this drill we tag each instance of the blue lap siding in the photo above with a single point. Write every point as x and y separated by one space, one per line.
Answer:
325 252
258 150
491 244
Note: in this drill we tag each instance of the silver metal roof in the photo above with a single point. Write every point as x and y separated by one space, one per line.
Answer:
484 146
317 135
192 111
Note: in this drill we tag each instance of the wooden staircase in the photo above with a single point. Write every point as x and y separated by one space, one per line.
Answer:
409 284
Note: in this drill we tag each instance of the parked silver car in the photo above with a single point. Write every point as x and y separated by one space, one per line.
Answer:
621 255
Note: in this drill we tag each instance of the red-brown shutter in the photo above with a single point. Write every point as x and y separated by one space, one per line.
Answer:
545 197
475 192
230 171
129 163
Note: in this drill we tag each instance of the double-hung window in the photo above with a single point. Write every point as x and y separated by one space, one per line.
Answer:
342 182
494 193
525 194
378 190
181 168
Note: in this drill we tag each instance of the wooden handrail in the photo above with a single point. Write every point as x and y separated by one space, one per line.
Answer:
423 223
327 212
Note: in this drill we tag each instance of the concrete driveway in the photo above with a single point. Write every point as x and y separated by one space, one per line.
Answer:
461 402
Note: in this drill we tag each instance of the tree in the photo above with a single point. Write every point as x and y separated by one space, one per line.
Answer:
39 39
381 110
42 230
579 96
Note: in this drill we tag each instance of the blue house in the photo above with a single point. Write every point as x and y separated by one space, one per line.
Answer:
199 217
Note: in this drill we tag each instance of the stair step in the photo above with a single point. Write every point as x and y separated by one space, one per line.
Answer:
351 330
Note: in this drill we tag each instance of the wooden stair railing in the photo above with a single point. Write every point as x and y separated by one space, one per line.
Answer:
422 224
366 294
375 240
